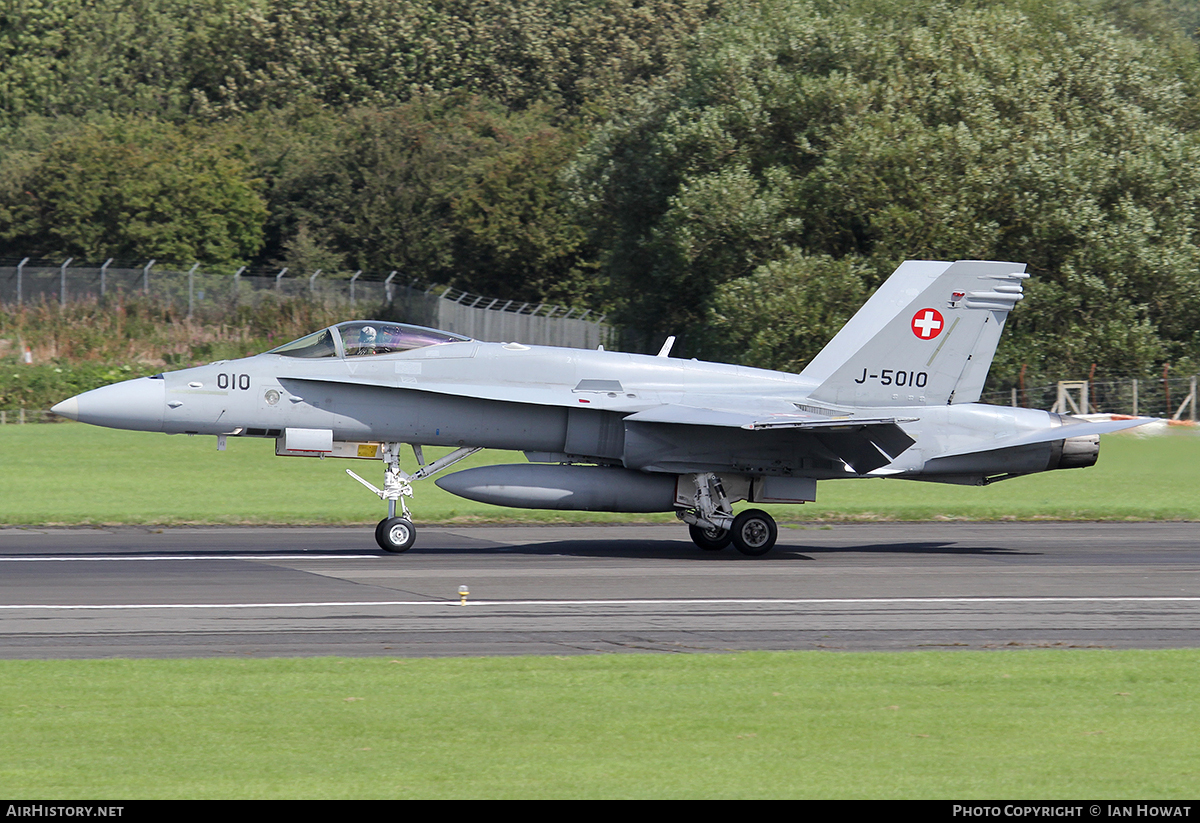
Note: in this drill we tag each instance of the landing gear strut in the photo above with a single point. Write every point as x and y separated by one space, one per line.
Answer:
397 534
713 526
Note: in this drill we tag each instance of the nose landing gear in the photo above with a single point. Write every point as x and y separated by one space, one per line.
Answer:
397 534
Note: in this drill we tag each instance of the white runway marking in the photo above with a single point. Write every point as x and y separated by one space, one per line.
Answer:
834 601
89 559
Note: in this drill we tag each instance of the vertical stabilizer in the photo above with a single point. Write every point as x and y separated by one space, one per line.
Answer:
926 337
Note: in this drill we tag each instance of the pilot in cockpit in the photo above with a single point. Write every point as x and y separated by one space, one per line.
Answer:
366 341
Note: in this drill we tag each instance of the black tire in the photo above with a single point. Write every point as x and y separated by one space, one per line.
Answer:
754 532
395 534
711 540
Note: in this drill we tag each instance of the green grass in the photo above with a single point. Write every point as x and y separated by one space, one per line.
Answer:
1030 724
76 474
72 474
963 725
1136 478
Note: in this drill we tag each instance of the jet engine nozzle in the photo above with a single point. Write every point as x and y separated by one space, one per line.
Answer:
1077 452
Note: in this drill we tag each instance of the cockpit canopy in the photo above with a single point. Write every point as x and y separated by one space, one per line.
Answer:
359 338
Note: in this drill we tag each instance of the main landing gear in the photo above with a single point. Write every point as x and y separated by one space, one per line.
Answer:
713 526
397 534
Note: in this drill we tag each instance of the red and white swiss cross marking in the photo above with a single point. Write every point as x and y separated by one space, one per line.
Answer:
927 324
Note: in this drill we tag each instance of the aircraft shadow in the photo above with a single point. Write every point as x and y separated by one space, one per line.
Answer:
922 547
684 550
623 548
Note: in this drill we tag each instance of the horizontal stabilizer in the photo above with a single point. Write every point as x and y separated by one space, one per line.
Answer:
1083 428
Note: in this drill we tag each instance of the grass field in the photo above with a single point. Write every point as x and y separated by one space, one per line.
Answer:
77 474
957 725
962 725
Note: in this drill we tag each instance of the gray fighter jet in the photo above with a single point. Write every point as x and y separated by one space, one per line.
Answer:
892 395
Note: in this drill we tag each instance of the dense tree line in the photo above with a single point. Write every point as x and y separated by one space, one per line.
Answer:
808 147
421 135
742 175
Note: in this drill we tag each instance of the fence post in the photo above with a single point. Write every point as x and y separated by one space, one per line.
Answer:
192 288
103 272
312 281
20 272
237 284
1166 388
1065 401
279 276
1135 397
146 278
352 279
62 288
1190 399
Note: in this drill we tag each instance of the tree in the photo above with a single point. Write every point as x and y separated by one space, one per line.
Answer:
137 189
781 315
376 186
513 232
124 57
451 190
873 131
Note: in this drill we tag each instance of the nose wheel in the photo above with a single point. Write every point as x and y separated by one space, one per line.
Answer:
395 534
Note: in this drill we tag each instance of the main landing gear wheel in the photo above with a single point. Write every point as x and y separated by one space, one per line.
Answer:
754 532
395 534
711 540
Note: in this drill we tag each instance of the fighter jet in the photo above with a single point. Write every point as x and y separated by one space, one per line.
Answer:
894 394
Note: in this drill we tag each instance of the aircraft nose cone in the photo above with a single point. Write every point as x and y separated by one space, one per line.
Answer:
133 404
67 408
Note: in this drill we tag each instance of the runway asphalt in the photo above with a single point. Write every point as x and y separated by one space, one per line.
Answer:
227 592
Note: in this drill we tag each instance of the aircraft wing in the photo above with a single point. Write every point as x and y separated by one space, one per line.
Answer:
687 438
864 444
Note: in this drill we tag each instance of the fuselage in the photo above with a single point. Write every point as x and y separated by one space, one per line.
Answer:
561 403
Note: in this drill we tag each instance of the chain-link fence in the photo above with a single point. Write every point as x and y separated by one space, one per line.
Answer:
206 294
216 298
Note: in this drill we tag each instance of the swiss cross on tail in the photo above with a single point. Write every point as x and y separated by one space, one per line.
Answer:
927 324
